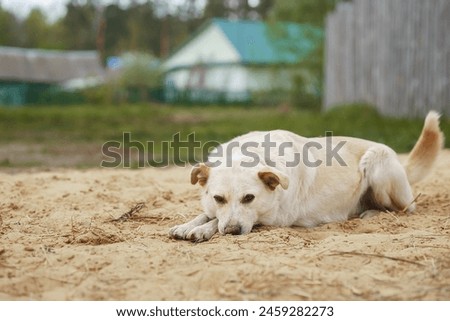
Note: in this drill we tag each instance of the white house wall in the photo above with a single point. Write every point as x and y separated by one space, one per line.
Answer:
218 78
177 79
234 81
211 46
263 79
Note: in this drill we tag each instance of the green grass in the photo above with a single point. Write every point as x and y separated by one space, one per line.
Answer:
98 124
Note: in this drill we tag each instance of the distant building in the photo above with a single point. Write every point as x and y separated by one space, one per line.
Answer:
234 61
32 75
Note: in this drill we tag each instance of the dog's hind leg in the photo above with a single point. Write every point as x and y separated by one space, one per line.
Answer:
387 184
369 213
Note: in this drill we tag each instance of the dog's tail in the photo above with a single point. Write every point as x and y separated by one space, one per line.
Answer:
426 149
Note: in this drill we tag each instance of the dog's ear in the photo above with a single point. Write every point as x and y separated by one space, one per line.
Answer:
199 173
272 178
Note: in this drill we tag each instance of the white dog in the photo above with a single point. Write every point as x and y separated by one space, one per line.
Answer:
279 178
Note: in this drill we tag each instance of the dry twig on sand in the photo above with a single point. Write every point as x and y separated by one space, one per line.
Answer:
127 215
377 255
413 201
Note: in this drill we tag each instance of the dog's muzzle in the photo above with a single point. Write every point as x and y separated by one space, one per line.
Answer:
232 229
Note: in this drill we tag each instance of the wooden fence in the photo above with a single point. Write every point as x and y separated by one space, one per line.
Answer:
394 54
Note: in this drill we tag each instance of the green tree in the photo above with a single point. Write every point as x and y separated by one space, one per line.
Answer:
308 81
241 9
136 28
35 29
305 11
56 37
9 26
116 29
140 72
143 28
80 25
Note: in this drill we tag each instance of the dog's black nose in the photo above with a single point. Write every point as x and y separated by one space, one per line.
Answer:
233 229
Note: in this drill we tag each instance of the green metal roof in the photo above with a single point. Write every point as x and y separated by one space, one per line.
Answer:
258 42
262 43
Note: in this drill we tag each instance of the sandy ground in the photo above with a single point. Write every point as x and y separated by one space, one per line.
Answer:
58 242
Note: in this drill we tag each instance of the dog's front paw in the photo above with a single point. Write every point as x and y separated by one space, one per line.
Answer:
194 232
180 231
202 233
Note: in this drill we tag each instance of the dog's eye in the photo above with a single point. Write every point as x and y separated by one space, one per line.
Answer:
248 198
220 199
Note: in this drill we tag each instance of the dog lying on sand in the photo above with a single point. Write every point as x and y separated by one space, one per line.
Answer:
281 179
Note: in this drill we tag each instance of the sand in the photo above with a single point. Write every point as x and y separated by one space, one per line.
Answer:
60 241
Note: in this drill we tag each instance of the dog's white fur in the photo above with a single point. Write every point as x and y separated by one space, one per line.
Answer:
237 197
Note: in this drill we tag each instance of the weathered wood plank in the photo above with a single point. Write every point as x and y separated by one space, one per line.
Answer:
394 54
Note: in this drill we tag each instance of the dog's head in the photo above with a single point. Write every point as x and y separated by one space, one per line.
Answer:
239 197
